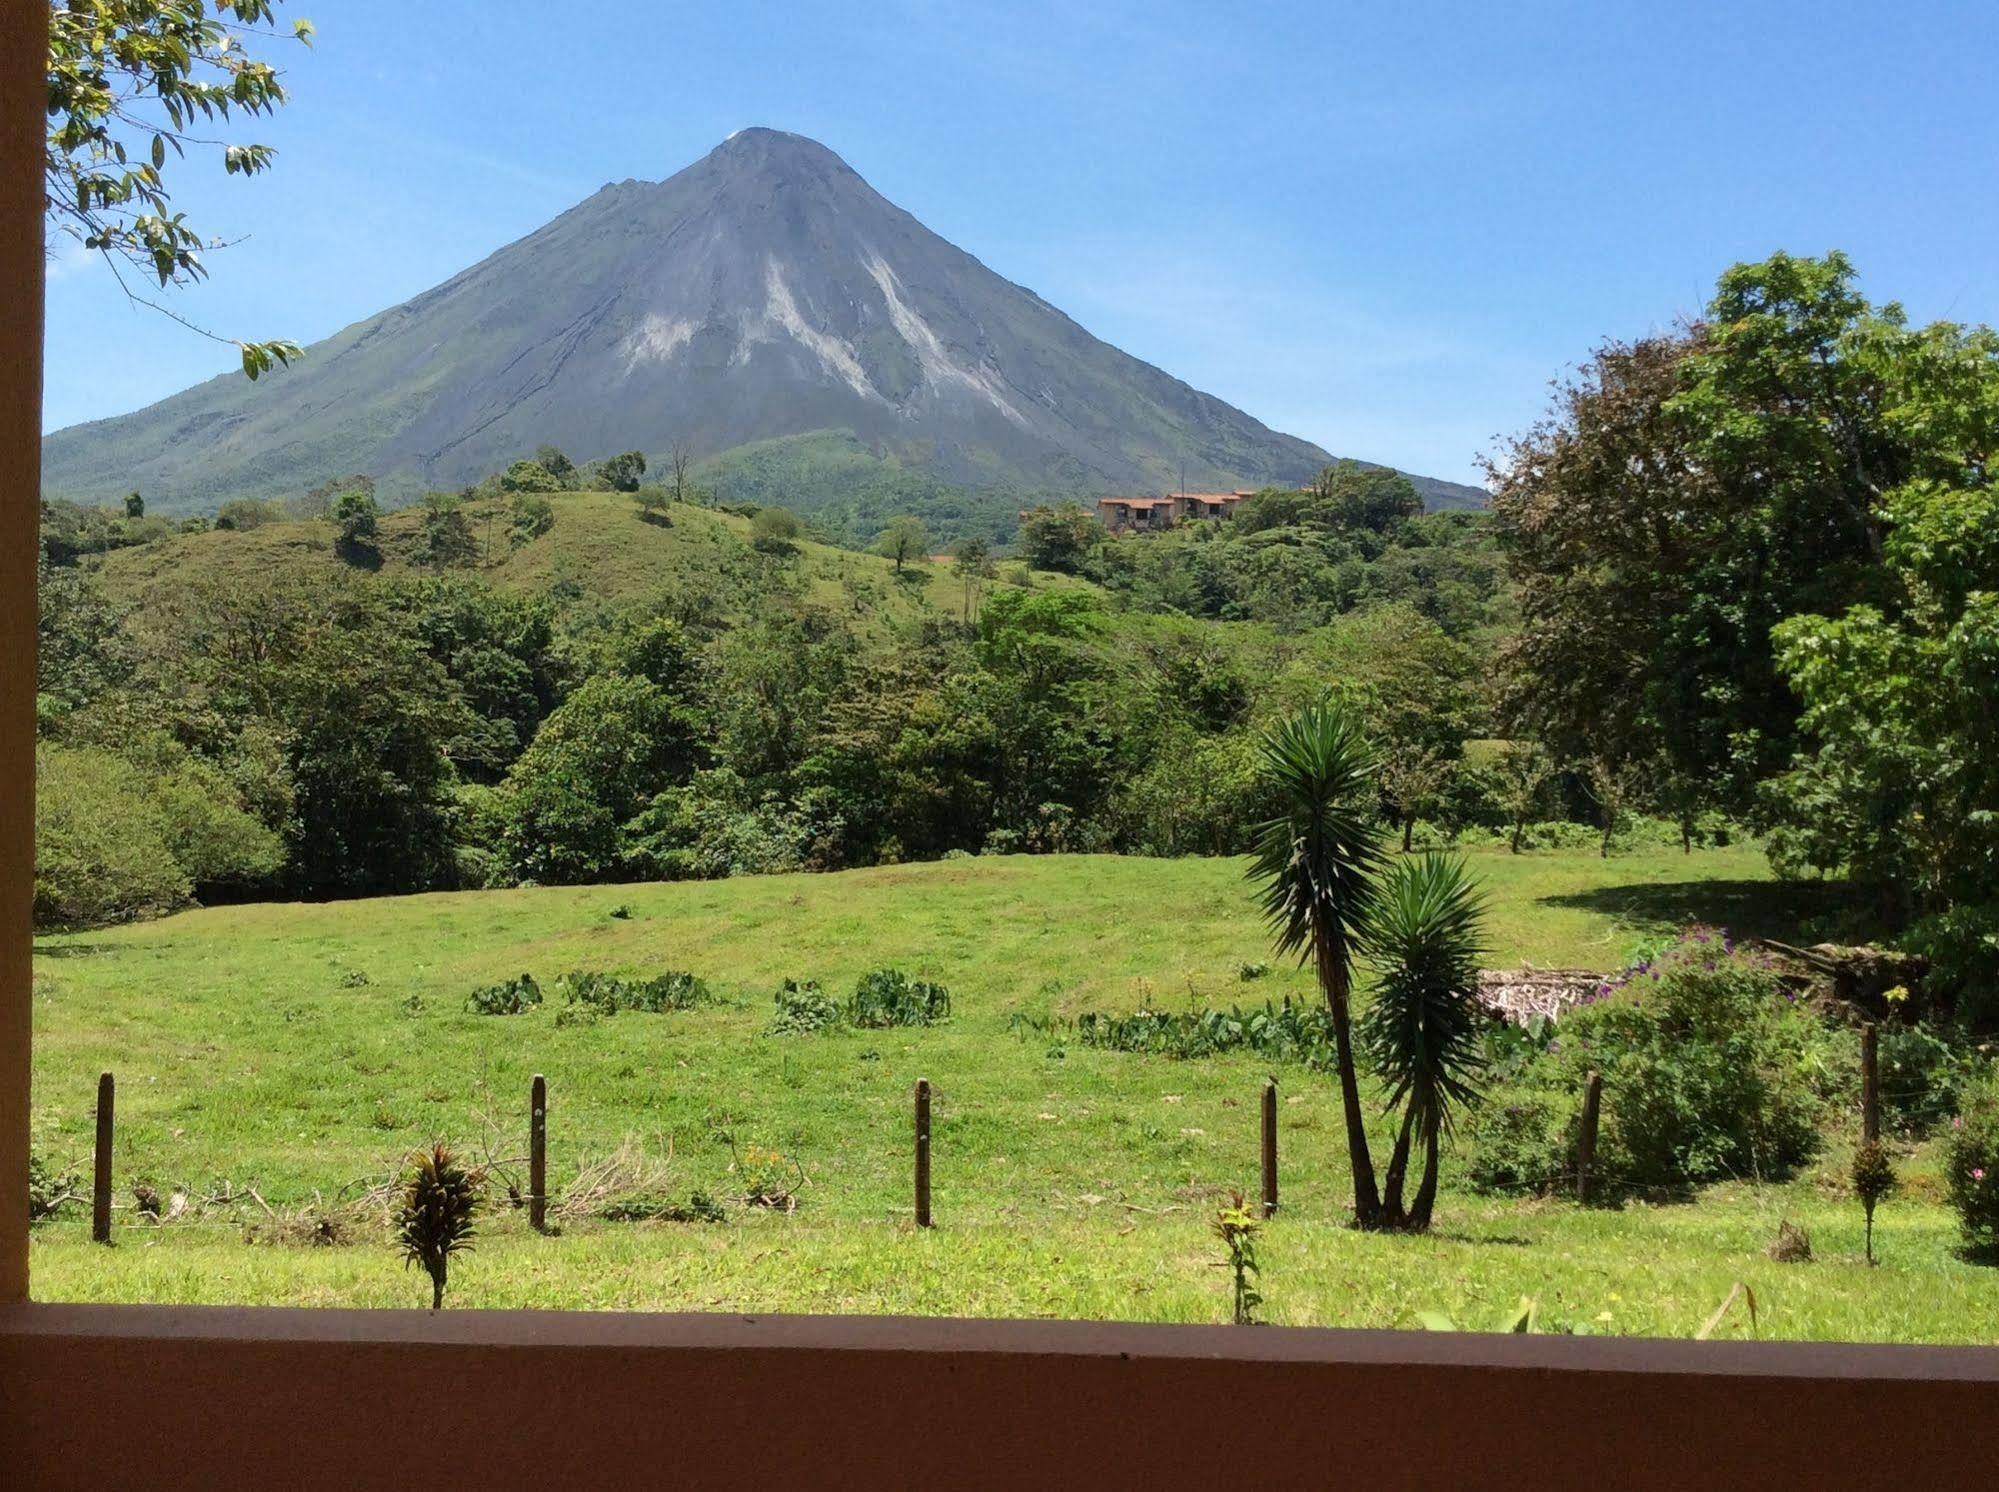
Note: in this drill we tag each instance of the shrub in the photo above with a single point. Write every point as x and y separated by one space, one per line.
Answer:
769 1178
1922 1075
1971 1167
802 1008
610 993
1704 1057
1282 1033
889 997
530 476
513 997
48 1189
1710 1070
1521 1140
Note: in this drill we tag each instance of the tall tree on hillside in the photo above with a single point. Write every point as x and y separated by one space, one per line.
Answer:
131 82
622 472
1317 864
905 539
1058 538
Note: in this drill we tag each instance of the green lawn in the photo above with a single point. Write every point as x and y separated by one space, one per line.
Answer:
1068 1181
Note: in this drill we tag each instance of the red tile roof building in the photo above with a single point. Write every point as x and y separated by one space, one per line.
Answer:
1161 512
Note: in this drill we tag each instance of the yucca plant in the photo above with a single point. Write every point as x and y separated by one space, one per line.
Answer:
1317 862
1422 1034
434 1216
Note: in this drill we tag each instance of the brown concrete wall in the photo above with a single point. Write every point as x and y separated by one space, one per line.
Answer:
23 46
102 1396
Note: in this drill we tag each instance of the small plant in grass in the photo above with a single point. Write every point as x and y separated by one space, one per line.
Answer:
1237 1225
509 998
48 1188
656 1207
436 1206
802 1008
1873 1181
1971 1168
889 997
1247 972
610 993
769 1178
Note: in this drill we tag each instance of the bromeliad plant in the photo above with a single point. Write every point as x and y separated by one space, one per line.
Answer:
1317 863
435 1210
1423 1034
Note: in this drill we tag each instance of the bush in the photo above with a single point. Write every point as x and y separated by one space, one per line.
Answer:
514 997
802 1008
1708 1072
610 993
1922 1076
889 997
102 851
1282 1033
1521 1140
1971 1167
1704 1057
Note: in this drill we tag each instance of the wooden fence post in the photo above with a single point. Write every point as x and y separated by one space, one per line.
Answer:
1870 1084
923 1152
538 1154
1586 1141
1270 1147
100 1190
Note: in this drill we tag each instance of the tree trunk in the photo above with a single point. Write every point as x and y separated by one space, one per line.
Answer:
437 1292
1408 830
1519 833
1398 1168
1333 980
1426 1194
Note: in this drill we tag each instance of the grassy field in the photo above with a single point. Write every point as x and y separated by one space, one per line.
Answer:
301 1047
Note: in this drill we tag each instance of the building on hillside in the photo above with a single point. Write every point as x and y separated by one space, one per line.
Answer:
1120 513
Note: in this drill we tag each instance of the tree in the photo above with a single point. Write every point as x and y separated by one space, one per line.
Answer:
974 565
1423 1031
597 761
621 473
130 81
652 500
775 530
552 460
1348 494
1899 784
356 517
1525 773
1058 538
1317 863
135 505
681 462
529 476
447 537
1693 490
905 539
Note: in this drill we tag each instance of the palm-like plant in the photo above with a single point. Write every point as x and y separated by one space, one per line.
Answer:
1422 1034
435 1208
1317 862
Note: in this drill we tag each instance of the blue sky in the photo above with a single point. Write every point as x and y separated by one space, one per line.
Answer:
1382 227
